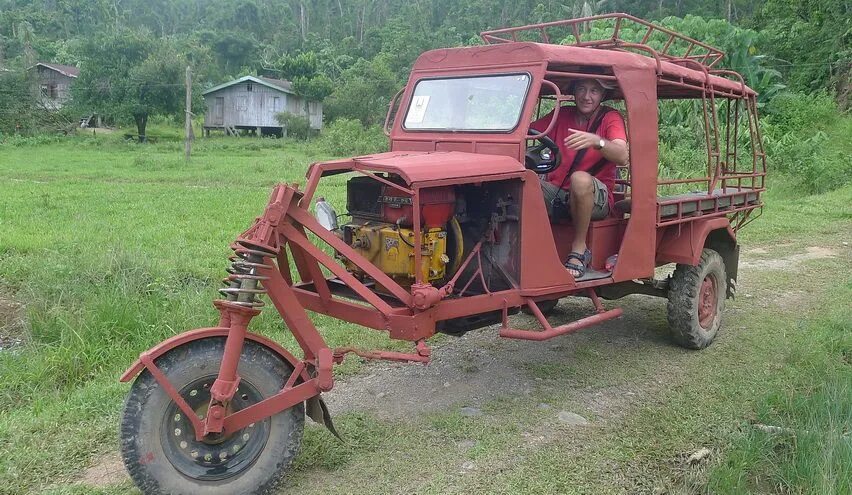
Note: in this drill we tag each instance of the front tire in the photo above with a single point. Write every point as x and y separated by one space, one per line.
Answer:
696 301
158 443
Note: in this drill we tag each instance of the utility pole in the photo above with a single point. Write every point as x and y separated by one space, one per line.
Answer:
188 126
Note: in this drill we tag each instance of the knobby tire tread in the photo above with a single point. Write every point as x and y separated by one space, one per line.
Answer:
682 309
145 385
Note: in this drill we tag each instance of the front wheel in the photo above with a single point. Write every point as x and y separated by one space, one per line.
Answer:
158 442
696 300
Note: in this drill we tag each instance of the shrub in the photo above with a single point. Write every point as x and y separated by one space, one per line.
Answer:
807 136
295 126
349 137
793 112
34 140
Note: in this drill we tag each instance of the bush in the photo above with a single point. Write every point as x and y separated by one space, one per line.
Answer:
295 126
794 112
347 137
35 140
807 136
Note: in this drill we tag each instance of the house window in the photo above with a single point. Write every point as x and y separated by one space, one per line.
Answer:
249 87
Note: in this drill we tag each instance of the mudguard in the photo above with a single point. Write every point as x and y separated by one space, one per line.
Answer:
197 334
684 243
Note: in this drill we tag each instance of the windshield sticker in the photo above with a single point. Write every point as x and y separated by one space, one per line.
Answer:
418 109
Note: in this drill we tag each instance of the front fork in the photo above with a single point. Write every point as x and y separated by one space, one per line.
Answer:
237 319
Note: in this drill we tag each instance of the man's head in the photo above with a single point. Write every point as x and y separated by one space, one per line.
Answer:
589 93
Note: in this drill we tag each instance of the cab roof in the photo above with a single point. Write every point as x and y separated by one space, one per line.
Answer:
571 58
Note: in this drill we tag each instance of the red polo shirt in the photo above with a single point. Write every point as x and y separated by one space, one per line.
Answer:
611 127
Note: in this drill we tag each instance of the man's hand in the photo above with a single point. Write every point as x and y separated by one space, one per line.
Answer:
615 150
580 140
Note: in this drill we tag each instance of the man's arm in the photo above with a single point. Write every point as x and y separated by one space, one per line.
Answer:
615 150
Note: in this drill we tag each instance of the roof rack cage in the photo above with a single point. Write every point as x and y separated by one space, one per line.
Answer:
657 40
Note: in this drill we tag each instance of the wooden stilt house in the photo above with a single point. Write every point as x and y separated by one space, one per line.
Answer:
253 103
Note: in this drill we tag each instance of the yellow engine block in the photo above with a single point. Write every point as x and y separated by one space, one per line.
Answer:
391 249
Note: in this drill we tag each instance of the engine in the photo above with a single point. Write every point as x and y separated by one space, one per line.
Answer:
382 231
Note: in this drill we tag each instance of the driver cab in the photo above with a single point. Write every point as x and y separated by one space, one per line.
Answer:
489 111
544 156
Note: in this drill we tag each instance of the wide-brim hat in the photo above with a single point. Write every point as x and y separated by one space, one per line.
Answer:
594 74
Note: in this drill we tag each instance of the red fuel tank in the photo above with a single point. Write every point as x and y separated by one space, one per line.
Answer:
436 206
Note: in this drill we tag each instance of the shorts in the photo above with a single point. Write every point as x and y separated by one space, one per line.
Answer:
600 209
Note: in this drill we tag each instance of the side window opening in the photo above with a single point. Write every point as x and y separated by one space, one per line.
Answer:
563 78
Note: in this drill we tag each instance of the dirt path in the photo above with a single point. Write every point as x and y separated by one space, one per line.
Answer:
469 372
479 366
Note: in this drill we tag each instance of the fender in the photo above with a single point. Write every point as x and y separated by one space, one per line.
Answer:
683 243
203 333
315 406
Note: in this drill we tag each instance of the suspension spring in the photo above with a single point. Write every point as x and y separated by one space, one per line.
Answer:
243 284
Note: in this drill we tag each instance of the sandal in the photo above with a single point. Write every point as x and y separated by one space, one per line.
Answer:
580 267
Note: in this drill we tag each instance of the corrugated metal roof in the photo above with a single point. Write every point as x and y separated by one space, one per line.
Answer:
280 85
68 70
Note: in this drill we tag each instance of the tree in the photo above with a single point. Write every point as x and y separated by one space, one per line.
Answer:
128 74
814 38
363 92
303 70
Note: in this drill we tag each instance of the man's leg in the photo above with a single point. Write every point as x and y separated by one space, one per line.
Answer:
582 200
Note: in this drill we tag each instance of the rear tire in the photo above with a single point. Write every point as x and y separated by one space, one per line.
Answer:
158 444
696 301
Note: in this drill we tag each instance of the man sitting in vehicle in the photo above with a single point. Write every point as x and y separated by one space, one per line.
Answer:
592 141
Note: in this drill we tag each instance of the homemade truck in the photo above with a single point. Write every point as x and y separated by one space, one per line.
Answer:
448 232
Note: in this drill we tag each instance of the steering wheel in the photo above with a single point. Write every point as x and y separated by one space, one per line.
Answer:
544 157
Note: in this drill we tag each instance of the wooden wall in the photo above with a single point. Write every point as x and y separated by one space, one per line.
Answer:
55 87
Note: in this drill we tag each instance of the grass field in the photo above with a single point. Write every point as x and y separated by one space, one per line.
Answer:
106 248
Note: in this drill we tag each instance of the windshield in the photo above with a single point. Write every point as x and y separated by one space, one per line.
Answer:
480 103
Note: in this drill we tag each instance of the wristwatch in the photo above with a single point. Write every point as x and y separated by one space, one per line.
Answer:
601 144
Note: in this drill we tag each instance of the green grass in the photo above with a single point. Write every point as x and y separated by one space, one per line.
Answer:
114 246
808 448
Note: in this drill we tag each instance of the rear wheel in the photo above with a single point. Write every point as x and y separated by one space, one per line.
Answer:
696 300
158 442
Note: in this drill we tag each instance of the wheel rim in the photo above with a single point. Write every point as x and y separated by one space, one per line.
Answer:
708 300
215 457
